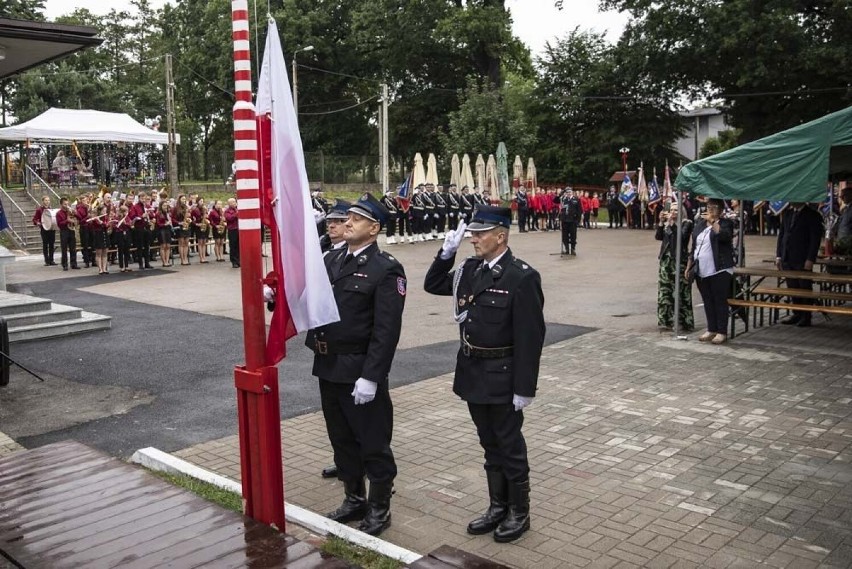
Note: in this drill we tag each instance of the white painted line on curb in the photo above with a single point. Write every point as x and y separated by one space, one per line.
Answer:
156 459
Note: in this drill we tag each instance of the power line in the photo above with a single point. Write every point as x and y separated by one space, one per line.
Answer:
364 102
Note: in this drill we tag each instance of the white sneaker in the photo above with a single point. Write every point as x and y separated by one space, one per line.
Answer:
411 238
392 240
441 236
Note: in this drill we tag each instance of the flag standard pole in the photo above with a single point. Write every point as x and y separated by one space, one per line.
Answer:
256 383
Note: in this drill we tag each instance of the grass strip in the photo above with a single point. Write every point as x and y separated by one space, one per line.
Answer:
356 555
224 498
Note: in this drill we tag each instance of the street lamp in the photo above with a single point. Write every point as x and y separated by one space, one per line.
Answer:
296 80
624 152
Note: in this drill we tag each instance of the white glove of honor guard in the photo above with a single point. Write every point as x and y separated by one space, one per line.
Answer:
519 401
319 215
452 241
365 391
436 215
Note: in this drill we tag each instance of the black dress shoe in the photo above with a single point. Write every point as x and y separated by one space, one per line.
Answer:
75 267
803 323
330 471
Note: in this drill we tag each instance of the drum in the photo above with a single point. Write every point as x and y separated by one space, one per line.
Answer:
48 219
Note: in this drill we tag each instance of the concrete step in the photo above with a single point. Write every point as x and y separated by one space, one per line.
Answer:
87 322
13 303
56 313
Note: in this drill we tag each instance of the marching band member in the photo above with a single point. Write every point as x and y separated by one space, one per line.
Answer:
82 211
121 229
216 218
201 228
164 229
181 223
138 220
48 236
232 217
66 220
100 240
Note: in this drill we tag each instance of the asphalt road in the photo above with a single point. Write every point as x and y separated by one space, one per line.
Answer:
163 376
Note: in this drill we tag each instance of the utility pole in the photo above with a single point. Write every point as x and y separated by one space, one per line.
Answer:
170 125
296 79
384 140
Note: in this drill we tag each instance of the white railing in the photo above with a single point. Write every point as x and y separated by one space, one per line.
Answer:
12 214
33 175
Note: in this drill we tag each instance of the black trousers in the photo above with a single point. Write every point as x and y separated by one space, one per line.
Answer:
804 284
86 245
441 223
522 219
569 235
406 227
48 245
234 246
453 220
123 240
390 231
714 292
68 242
499 430
142 242
360 435
428 223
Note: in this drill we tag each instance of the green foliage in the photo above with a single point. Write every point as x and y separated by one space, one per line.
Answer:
358 556
725 140
22 9
486 116
774 63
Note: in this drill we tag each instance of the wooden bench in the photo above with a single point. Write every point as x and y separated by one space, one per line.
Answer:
775 307
823 295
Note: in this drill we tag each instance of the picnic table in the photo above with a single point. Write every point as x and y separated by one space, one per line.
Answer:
752 296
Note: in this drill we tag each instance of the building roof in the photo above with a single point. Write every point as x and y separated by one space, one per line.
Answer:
25 44
703 112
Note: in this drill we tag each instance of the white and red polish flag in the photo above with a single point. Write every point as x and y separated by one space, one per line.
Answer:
296 250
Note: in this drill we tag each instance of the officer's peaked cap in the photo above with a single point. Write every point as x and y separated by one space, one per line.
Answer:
487 217
340 210
371 208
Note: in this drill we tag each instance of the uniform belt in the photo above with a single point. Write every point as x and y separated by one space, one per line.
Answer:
324 348
472 351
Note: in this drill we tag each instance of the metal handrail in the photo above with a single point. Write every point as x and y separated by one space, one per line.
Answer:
21 239
43 183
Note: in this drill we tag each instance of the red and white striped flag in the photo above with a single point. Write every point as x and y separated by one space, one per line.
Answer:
308 293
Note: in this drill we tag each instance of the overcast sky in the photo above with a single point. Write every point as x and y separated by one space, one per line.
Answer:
535 21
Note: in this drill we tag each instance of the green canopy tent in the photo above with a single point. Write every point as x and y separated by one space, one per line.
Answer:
793 165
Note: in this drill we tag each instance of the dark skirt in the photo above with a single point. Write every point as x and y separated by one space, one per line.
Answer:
100 240
199 234
165 235
179 233
219 234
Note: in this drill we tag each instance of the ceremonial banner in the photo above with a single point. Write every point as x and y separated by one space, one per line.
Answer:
627 193
303 285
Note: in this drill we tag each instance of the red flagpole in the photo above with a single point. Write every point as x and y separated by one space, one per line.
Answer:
256 383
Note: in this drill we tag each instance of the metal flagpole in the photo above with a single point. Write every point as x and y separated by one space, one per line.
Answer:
256 383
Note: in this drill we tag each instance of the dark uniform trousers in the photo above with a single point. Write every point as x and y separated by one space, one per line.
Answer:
48 244
234 246
504 306
68 242
142 242
86 245
405 225
360 434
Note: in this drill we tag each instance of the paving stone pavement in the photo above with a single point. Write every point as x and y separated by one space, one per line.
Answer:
7 445
645 452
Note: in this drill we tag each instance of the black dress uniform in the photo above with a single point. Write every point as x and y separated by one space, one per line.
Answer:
501 324
369 289
571 213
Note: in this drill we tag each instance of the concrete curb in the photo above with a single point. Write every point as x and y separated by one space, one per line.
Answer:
158 460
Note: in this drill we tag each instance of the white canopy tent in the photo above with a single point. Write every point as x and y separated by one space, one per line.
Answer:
84 126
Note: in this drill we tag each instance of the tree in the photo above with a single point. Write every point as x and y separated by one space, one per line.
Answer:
485 117
774 64
725 140
22 9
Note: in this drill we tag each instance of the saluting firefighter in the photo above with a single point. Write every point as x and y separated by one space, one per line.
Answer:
389 201
352 359
498 304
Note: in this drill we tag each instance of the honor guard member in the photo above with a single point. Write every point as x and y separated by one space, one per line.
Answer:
440 198
523 203
319 203
479 198
389 201
429 209
498 304
418 214
453 207
466 202
352 359
571 214
404 218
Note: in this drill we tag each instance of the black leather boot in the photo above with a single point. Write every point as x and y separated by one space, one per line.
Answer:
498 494
354 505
378 517
518 520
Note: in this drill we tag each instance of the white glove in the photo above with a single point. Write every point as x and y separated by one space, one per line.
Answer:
268 293
519 401
452 241
425 217
365 391
319 215
436 216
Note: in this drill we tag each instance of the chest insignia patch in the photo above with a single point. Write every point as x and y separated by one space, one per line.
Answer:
400 286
